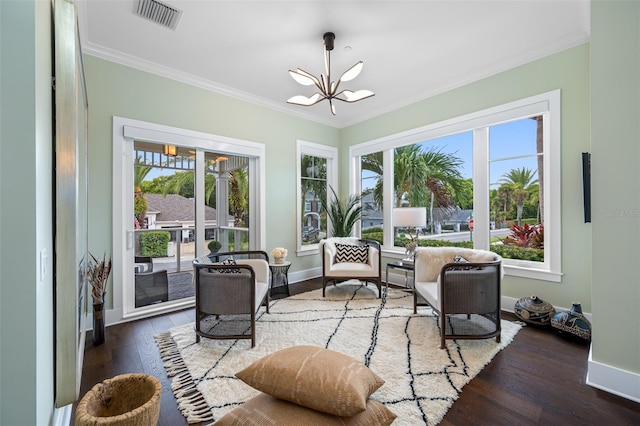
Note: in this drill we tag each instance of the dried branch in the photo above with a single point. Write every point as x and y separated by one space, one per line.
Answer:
97 276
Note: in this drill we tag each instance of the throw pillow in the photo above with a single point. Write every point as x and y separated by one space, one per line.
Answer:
266 410
314 377
459 259
229 261
349 253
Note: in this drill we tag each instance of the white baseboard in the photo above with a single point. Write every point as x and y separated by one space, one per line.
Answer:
613 380
307 274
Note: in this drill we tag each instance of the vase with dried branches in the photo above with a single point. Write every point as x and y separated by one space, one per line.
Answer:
97 275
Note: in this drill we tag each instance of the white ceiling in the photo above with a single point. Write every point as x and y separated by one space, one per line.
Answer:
411 49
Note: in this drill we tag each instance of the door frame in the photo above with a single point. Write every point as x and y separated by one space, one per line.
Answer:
125 130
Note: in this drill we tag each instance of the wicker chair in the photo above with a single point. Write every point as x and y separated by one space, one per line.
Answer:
463 288
228 296
336 272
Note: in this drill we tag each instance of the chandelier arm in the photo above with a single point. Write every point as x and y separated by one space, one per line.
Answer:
357 95
304 101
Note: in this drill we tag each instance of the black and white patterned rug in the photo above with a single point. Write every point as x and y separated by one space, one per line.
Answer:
421 380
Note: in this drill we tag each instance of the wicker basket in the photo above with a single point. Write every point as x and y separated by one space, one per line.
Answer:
125 400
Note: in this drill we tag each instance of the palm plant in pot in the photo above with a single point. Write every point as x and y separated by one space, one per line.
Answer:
97 275
344 214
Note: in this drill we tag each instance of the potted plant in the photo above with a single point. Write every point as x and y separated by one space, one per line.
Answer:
97 275
344 214
214 246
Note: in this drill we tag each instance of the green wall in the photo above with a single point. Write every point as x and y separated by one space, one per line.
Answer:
116 90
26 299
615 148
611 67
567 71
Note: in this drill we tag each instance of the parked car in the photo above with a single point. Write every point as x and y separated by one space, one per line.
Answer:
310 233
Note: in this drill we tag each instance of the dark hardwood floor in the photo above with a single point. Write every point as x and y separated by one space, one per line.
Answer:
539 379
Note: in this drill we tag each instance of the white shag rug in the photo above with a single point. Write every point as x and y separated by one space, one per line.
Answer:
421 380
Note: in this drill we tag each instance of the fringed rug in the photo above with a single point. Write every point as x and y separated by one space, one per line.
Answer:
421 380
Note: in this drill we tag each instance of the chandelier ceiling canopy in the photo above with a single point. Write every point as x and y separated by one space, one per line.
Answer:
328 89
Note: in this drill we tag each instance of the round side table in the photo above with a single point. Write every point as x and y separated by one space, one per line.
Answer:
280 277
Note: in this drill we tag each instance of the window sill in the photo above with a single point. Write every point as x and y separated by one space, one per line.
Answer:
308 251
537 274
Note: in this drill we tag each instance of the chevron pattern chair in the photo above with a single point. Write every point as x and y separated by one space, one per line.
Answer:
351 258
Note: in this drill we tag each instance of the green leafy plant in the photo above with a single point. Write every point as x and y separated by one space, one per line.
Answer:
344 214
154 243
214 246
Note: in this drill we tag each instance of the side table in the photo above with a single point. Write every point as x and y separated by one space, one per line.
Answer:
405 267
280 276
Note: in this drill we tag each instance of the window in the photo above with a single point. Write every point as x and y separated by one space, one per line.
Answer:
484 178
371 181
316 172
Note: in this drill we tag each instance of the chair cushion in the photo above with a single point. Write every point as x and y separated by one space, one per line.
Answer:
351 270
266 410
430 291
348 253
314 377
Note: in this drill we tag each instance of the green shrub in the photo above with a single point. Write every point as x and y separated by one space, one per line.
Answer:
515 252
507 252
154 243
214 246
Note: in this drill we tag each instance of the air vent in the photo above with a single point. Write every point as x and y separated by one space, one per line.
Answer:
160 13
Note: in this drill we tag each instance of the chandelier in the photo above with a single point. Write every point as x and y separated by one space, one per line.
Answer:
328 89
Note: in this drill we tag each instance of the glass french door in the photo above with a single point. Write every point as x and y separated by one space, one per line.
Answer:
183 196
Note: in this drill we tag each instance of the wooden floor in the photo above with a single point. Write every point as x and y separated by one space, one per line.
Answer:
539 379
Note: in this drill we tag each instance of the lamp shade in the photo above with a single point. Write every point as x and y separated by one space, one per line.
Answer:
410 216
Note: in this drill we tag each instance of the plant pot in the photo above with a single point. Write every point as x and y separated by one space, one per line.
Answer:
98 323
124 400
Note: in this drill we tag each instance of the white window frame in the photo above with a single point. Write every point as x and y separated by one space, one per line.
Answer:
548 106
125 130
331 155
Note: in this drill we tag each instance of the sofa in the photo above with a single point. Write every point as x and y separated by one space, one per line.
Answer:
462 286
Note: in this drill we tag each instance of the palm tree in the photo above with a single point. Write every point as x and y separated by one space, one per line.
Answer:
140 172
183 183
313 182
239 196
539 149
422 178
519 181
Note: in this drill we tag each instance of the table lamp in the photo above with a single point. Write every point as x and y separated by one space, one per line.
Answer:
410 217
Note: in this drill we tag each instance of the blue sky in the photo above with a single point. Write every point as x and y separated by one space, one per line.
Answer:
507 140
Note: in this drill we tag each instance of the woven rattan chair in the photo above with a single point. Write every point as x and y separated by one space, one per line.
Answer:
463 288
228 296
369 270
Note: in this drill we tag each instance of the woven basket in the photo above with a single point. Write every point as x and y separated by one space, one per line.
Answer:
125 400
